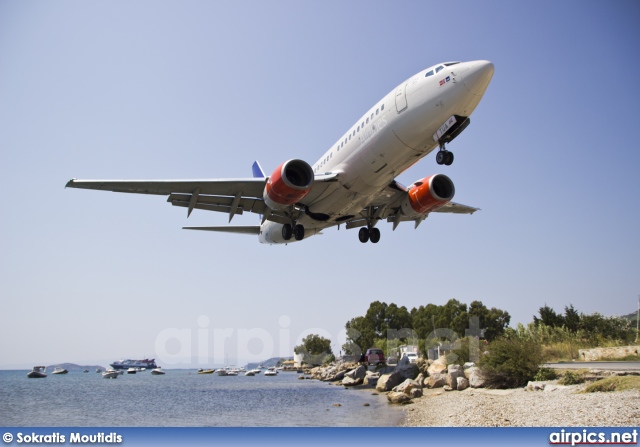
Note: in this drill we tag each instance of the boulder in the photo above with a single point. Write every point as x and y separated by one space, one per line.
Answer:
420 379
437 367
406 387
453 372
462 383
348 381
371 379
416 392
398 398
436 380
358 373
535 386
476 379
447 388
468 365
386 382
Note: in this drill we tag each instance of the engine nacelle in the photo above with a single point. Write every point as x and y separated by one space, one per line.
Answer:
288 184
428 194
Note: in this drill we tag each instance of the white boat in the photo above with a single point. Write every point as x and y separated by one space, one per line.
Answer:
250 373
271 372
38 372
59 370
256 371
157 371
132 370
227 371
110 374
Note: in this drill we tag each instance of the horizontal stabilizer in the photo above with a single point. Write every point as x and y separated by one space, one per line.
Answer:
253 229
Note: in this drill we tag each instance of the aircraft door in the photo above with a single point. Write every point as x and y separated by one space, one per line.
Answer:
401 98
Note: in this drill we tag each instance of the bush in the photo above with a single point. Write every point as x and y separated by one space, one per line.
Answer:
545 374
614 384
571 378
511 362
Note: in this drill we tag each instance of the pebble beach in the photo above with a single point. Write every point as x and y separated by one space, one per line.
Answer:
564 406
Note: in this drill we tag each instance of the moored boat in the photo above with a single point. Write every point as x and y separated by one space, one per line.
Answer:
59 370
205 371
110 374
38 372
157 371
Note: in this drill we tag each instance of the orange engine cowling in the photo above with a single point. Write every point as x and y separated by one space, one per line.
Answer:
288 184
428 194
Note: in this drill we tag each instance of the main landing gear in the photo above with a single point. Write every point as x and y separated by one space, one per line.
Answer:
367 234
444 157
297 231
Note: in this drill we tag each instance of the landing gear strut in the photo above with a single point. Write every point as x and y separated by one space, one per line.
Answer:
444 157
369 234
297 231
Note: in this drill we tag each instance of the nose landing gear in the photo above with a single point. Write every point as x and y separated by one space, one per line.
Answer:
444 157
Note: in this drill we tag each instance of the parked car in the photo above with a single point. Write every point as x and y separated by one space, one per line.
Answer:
412 356
374 356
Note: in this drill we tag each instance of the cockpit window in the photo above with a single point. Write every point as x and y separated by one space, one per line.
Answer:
440 67
451 63
429 73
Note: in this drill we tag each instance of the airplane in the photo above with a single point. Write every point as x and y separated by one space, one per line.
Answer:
353 182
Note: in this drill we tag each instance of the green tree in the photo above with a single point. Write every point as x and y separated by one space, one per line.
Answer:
493 321
315 349
548 317
571 318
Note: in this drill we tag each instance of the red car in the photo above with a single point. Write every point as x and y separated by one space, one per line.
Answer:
374 356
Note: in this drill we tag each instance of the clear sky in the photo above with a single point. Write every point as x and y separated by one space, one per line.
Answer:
201 89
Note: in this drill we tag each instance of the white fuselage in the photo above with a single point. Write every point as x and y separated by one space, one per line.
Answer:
392 136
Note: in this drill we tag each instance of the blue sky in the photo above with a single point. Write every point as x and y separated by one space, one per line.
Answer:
201 89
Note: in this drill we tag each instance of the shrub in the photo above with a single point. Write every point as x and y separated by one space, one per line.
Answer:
511 362
614 384
545 374
571 378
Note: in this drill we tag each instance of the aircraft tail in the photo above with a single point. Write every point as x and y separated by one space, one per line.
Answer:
257 170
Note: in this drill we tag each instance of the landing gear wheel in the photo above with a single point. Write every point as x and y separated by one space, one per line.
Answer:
287 232
298 232
448 158
441 157
363 235
374 234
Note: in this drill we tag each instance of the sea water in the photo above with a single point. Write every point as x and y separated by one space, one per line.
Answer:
183 398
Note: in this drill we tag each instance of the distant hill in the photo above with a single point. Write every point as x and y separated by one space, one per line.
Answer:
72 367
273 361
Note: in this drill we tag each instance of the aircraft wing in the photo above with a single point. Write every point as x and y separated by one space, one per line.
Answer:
231 196
387 206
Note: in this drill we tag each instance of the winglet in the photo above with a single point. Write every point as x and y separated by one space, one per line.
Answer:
257 170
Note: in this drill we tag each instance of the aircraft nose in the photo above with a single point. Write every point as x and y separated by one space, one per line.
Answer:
477 78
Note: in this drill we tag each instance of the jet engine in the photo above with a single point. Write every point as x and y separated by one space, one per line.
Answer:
428 194
288 184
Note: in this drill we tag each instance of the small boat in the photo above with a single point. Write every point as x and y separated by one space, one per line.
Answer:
110 374
59 370
157 371
256 371
85 371
250 373
38 372
271 372
206 371
132 371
